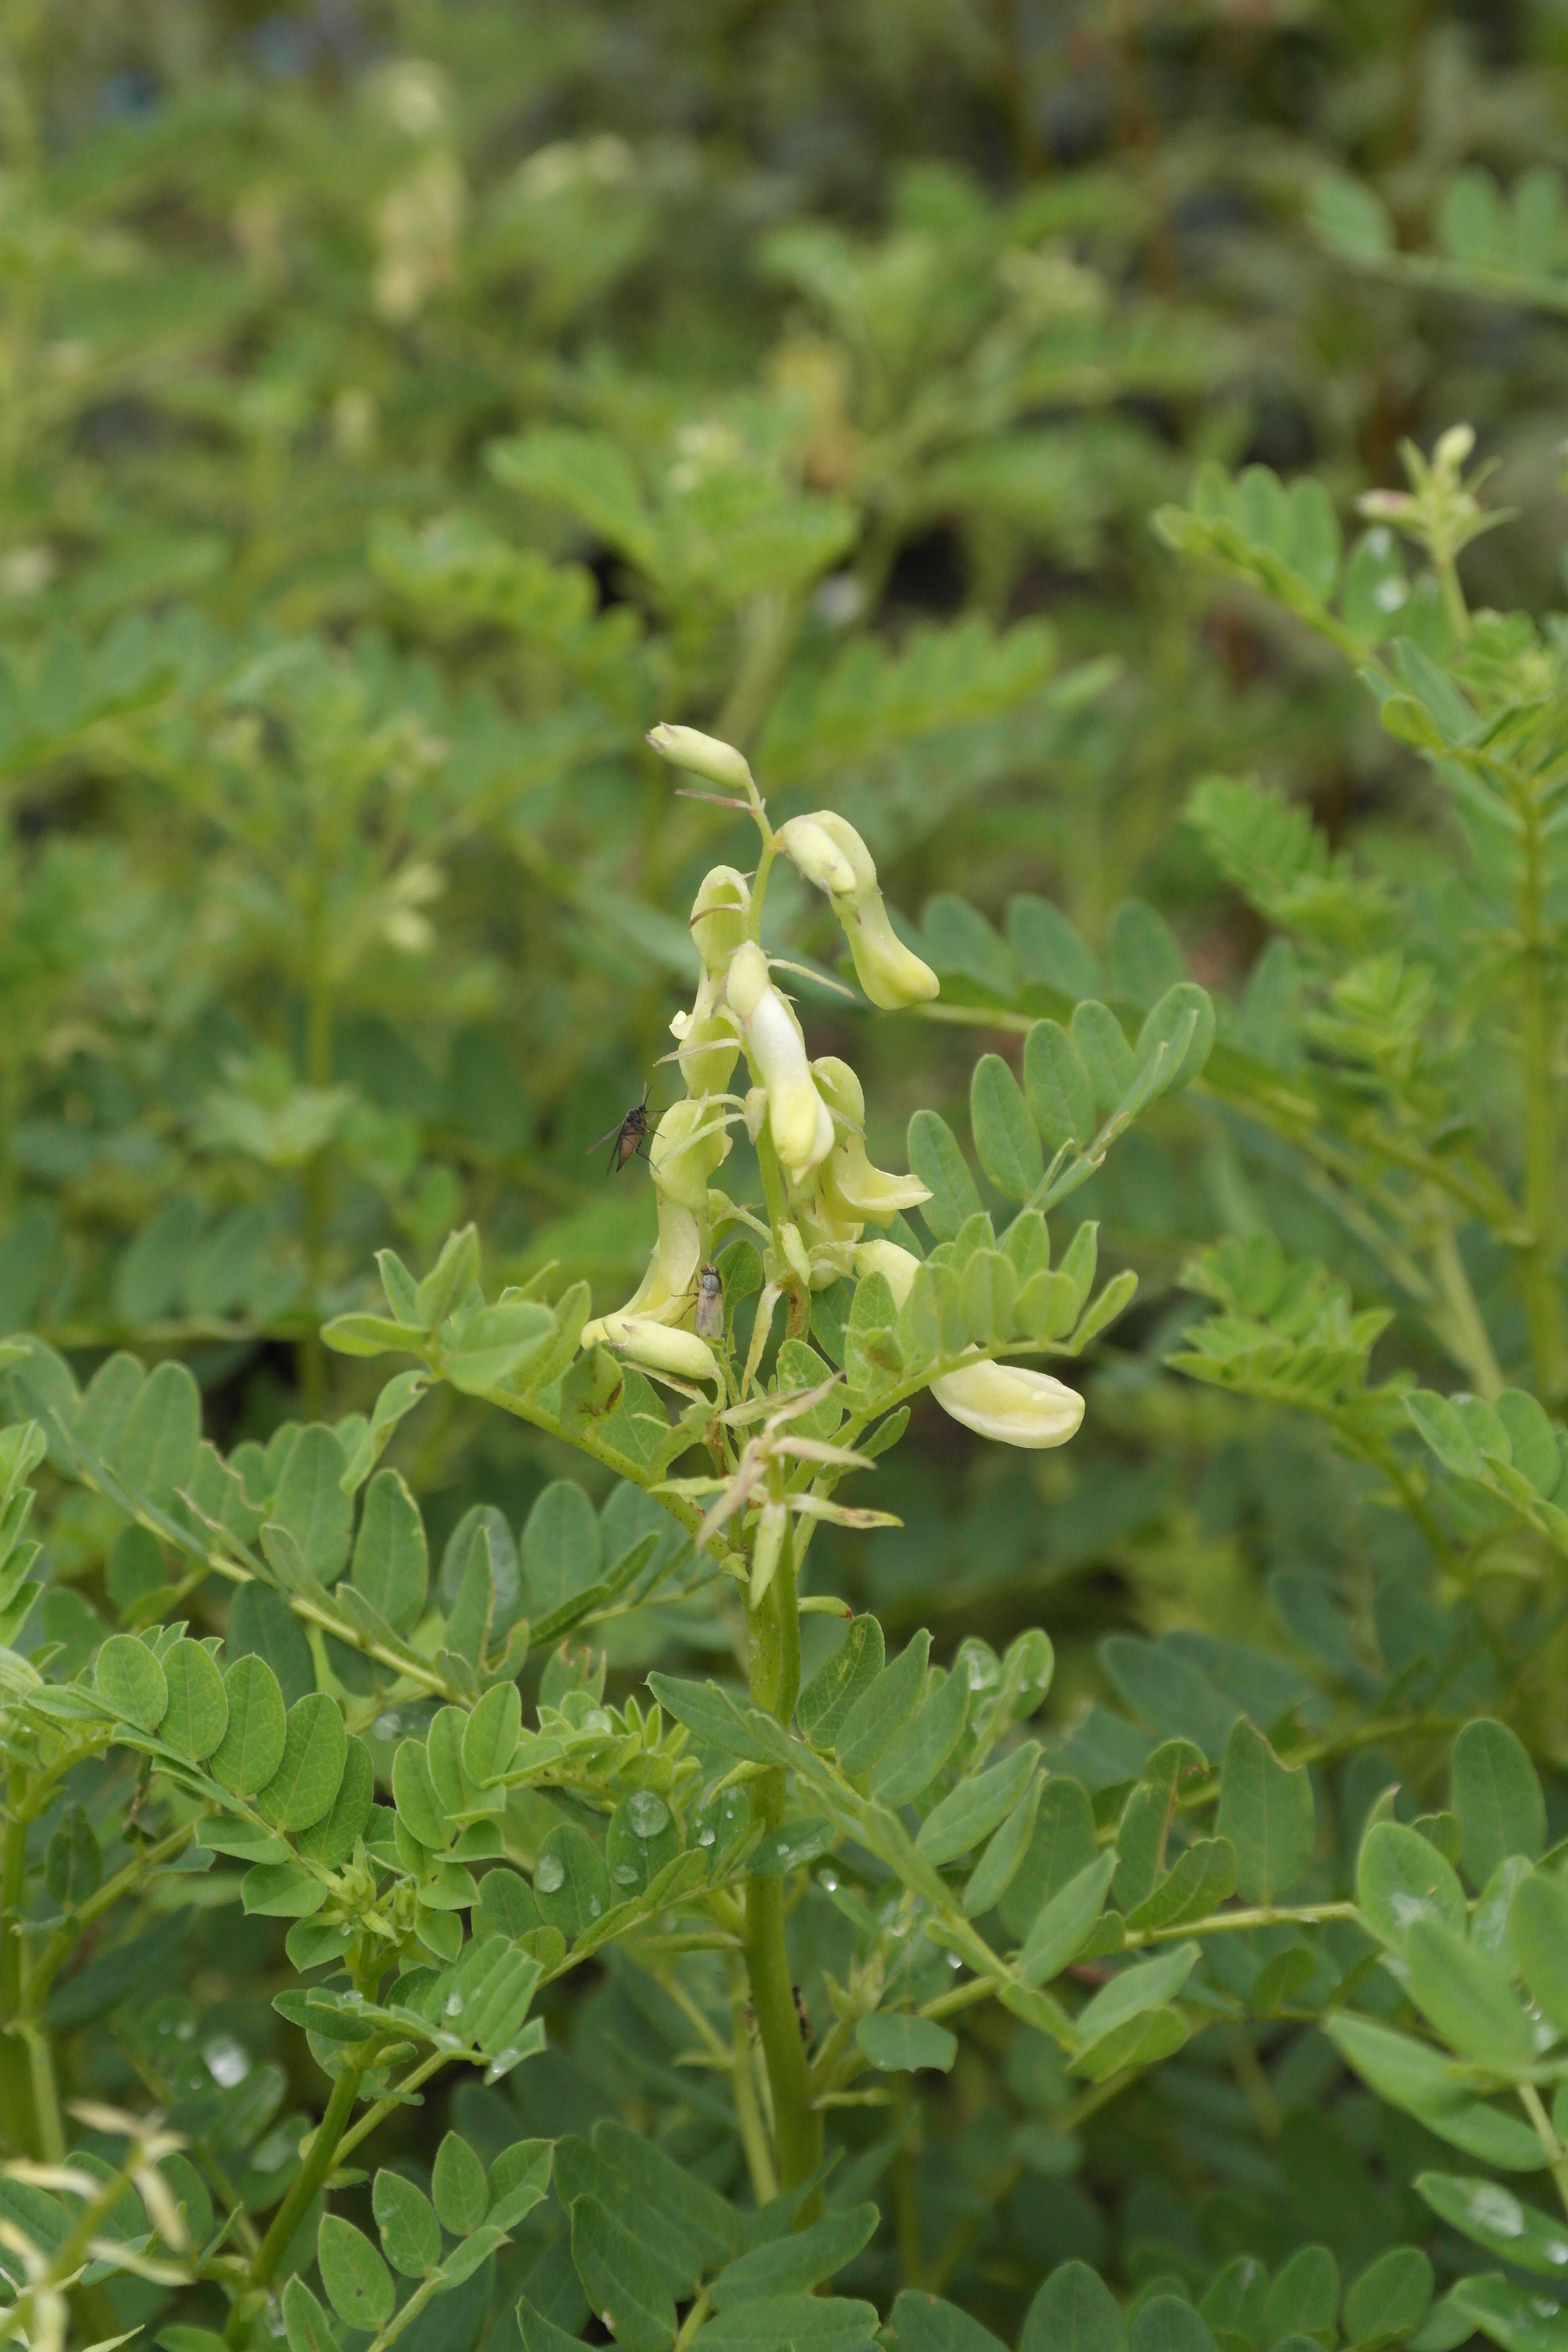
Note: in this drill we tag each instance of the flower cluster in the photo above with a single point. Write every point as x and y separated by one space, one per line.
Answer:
806 1118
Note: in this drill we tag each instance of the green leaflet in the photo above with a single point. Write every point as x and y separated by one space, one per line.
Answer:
197 1713
331 1839
459 2187
570 1882
1493 2217
357 2281
924 2323
1005 1142
390 1564
156 1451
882 1708
935 1157
1266 1812
917 1753
832 1690
562 1550
1468 1996
802 2259
897 2043
1497 1795
1538 1942
1435 2089
128 1678
622 2282
311 1768
1064 1922
1400 1878
1075 2309
405 2219
1304 2299
310 1502
1512 2316
1004 1856
1061 1843
252 1746
972 1810
261 1623
1168 2322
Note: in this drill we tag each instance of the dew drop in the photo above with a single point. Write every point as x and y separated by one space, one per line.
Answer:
550 1873
1493 2208
594 1906
624 1874
707 1837
647 1813
454 2004
828 1881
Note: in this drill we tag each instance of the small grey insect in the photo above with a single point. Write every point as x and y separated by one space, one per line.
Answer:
710 1303
630 1134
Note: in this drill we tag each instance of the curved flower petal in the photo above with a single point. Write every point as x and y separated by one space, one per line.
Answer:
800 1121
1011 1404
658 1347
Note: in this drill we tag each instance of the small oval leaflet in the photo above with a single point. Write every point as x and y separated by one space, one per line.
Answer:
197 1714
358 2283
129 1678
315 1749
252 1746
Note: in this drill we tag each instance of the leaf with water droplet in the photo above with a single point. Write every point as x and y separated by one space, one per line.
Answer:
570 1882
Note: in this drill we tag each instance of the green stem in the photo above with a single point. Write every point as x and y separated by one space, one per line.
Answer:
311 2174
1540 1260
17 2111
1465 1334
774 1631
1557 2159
743 2086
378 2112
312 1366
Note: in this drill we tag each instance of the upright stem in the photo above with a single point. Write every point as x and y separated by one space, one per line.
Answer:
312 2173
16 2106
774 1632
1542 1305
312 1370
1465 1332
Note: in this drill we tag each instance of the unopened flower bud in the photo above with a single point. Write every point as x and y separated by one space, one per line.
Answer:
890 973
702 755
808 844
1011 1404
719 914
798 1118
688 1143
1453 446
660 1348
842 838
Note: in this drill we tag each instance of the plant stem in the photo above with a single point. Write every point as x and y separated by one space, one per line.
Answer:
1540 1261
312 2173
774 1631
743 2085
1556 2158
1465 1336
17 2103
316 1178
